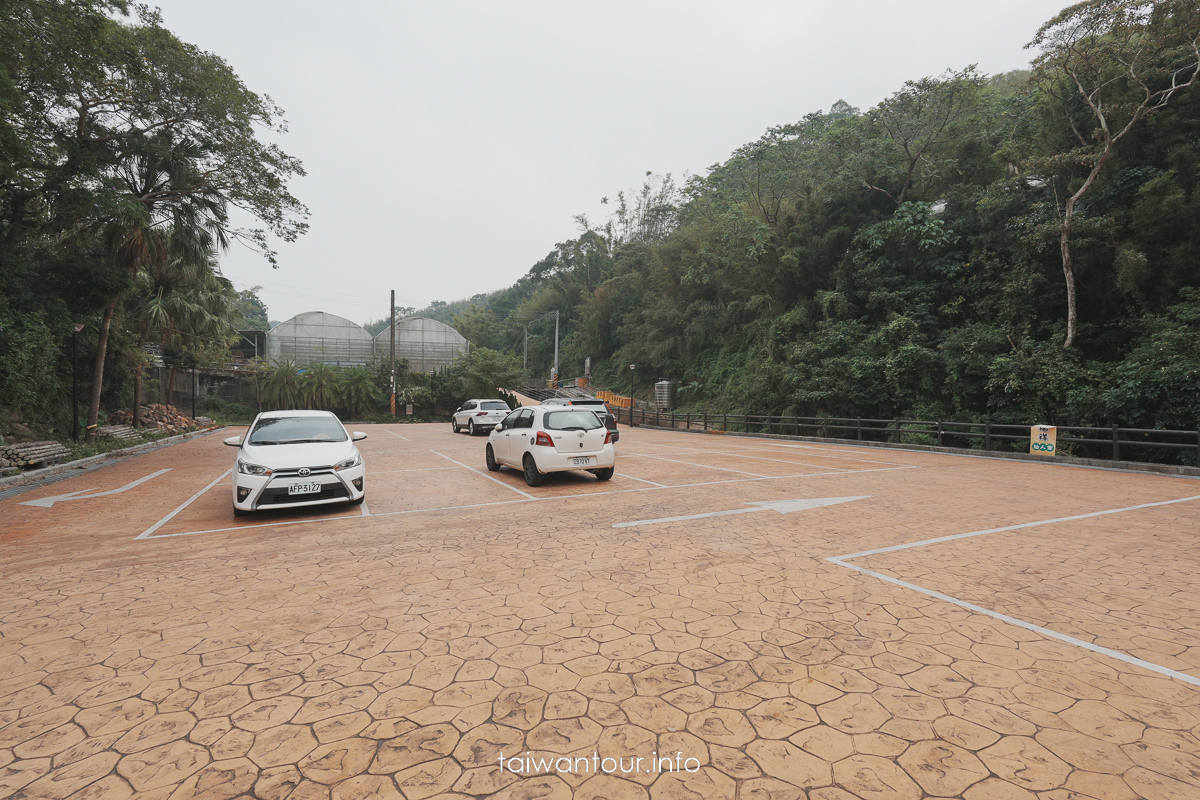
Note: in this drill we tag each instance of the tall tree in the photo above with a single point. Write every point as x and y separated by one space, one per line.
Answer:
1110 64
127 132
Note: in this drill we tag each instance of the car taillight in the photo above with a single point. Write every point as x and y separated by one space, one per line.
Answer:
608 437
543 439
482 414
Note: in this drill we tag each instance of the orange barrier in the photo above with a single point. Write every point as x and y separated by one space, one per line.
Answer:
615 400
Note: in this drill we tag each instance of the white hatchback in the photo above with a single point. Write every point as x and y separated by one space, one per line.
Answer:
541 439
296 458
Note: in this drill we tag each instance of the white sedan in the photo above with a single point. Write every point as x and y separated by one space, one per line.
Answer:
296 458
541 439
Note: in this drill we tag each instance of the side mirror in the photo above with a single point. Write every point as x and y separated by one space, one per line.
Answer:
358 436
499 427
234 441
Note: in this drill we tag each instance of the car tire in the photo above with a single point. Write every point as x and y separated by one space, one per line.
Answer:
489 457
603 474
532 476
454 425
471 428
358 501
240 512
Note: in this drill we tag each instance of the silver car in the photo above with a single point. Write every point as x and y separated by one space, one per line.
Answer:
479 416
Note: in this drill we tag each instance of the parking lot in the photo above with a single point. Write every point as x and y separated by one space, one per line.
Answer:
781 619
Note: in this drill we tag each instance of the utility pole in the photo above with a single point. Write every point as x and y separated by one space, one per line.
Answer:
392 329
525 352
556 348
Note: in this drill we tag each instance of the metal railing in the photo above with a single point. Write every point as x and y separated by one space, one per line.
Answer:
1112 442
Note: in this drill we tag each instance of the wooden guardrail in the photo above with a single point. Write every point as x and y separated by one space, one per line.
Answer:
1113 442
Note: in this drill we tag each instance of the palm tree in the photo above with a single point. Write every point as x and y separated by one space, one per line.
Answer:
281 386
320 386
183 302
159 219
357 390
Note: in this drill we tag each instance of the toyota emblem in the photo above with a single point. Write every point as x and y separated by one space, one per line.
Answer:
304 472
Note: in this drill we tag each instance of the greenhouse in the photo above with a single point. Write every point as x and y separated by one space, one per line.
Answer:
428 345
317 337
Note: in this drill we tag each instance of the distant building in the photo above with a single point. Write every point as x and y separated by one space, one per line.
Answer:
428 345
317 337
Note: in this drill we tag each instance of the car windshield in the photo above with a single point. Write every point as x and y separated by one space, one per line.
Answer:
493 406
296 430
581 420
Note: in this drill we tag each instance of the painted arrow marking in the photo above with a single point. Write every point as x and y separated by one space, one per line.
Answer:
48 502
782 506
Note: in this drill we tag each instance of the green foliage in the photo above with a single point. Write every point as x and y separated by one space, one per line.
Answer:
481 372
356 391
252 309
122 149
283 386
906 260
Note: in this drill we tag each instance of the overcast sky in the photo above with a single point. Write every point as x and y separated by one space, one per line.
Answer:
449 146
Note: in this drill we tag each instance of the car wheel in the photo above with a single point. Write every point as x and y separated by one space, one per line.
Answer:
532 476
240 512
454 425
489 456
359 501
603 474
471 428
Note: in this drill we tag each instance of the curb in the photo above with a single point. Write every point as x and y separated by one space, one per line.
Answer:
33 476
1172 470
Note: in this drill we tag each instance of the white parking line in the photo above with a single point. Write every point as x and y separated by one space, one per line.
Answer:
841 561
694 464
643 480
146 533
398 436
485 475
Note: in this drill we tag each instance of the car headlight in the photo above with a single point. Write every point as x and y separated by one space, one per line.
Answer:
348 463
246 468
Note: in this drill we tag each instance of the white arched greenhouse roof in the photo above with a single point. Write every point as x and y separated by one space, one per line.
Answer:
317 337
428 345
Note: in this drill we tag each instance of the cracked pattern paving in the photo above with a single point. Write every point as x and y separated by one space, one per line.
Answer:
399 656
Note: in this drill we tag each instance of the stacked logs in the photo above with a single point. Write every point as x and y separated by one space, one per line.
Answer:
156 417
122 432
33 454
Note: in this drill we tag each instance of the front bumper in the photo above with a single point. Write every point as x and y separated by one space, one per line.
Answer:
257 492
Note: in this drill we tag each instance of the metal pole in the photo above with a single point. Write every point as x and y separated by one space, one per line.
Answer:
393 352
987 435
858 426
1116 436
195 389
75 385
556 347
525 352
939 429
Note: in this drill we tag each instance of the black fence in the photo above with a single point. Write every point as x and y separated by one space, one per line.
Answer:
1149 445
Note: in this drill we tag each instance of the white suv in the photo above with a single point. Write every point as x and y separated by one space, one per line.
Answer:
479 416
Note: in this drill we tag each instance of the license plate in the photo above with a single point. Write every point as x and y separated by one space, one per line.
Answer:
311 487
581 461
